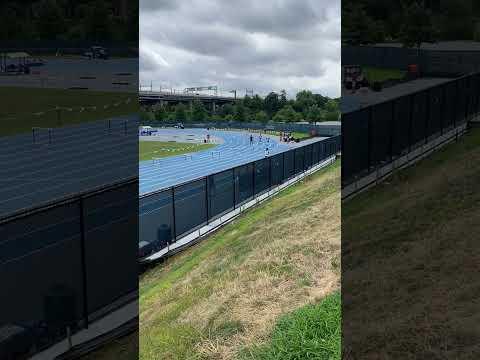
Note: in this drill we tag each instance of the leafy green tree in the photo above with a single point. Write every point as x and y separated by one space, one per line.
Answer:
226 109
332 105
240 112
261 116
98 22
51 20
320 100
271 104
217 118
332 110
417 25
283 98
180 113
358 27
247 101
331 116
256 104
199 113
286 114
229 118
160 113
314 114
304 100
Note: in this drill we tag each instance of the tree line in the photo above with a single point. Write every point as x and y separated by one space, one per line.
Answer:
275 107
409 21
81 20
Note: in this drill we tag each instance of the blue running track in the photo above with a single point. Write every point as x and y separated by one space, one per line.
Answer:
233 150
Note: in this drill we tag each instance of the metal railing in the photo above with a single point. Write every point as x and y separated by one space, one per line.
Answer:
378 135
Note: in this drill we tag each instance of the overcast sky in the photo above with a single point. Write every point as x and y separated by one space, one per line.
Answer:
262 45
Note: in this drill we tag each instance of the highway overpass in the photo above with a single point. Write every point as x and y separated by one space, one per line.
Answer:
167 97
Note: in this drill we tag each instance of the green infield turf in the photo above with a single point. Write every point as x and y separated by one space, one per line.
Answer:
157 149
35 107
374 74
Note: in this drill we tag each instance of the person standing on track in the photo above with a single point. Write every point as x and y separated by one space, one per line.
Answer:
251 139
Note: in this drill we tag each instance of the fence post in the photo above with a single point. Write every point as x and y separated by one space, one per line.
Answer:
443 100
304 157
207 198
391 131
295 161
234 190
369 141
270 173
84 263
253 178
410 124
427 116
455 106
174 215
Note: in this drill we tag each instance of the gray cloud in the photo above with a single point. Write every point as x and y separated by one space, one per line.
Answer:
265 45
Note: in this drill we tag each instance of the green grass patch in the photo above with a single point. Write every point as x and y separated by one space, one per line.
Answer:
34 107
158 149
311 332
374 74
301 135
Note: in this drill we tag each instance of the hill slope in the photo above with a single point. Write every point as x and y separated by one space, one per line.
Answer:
226 293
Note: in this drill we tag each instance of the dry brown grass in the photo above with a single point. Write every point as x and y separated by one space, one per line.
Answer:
411 262
279 257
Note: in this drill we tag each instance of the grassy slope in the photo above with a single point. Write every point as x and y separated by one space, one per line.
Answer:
417 235
24 102
225 294
380 74
158 149
311 332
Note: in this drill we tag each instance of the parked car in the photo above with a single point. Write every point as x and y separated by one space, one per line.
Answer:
97 52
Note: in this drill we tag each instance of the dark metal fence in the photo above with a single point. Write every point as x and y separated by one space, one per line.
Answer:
66 263
445 63
377 135
170 214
